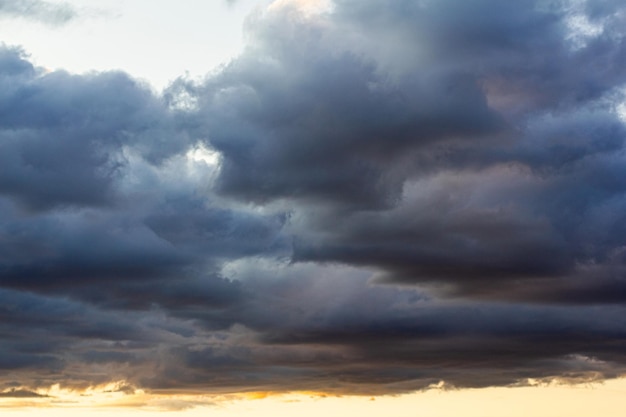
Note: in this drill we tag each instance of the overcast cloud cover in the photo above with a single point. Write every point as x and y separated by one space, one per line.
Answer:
371 198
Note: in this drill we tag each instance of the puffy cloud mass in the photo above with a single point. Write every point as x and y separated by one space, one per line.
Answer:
371 198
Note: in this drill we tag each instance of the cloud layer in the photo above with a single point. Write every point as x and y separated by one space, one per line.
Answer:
372 197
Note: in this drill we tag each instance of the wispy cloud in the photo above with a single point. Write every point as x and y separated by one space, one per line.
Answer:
20 393
43 11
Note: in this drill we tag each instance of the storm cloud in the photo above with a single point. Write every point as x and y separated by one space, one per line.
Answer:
371 198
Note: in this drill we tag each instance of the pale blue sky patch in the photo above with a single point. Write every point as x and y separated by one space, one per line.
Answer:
156 41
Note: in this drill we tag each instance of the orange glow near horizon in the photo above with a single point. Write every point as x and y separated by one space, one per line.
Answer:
547 400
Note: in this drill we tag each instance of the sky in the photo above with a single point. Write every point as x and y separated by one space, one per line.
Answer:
153 41
341 207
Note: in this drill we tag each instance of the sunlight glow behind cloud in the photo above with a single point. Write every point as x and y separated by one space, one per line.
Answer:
545 400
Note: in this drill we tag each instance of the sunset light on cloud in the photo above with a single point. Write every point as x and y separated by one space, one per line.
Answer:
313 207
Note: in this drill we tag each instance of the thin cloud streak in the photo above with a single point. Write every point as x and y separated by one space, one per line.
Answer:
42 11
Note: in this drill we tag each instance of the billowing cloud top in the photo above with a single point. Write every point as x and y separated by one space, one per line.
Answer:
372 197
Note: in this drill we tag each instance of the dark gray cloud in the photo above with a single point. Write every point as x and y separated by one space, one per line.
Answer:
43 11
62 135
476 151
367 200
20 393
319 124
96 205
350 338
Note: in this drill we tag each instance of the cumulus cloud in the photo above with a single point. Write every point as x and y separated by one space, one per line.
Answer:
62 134
373 197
